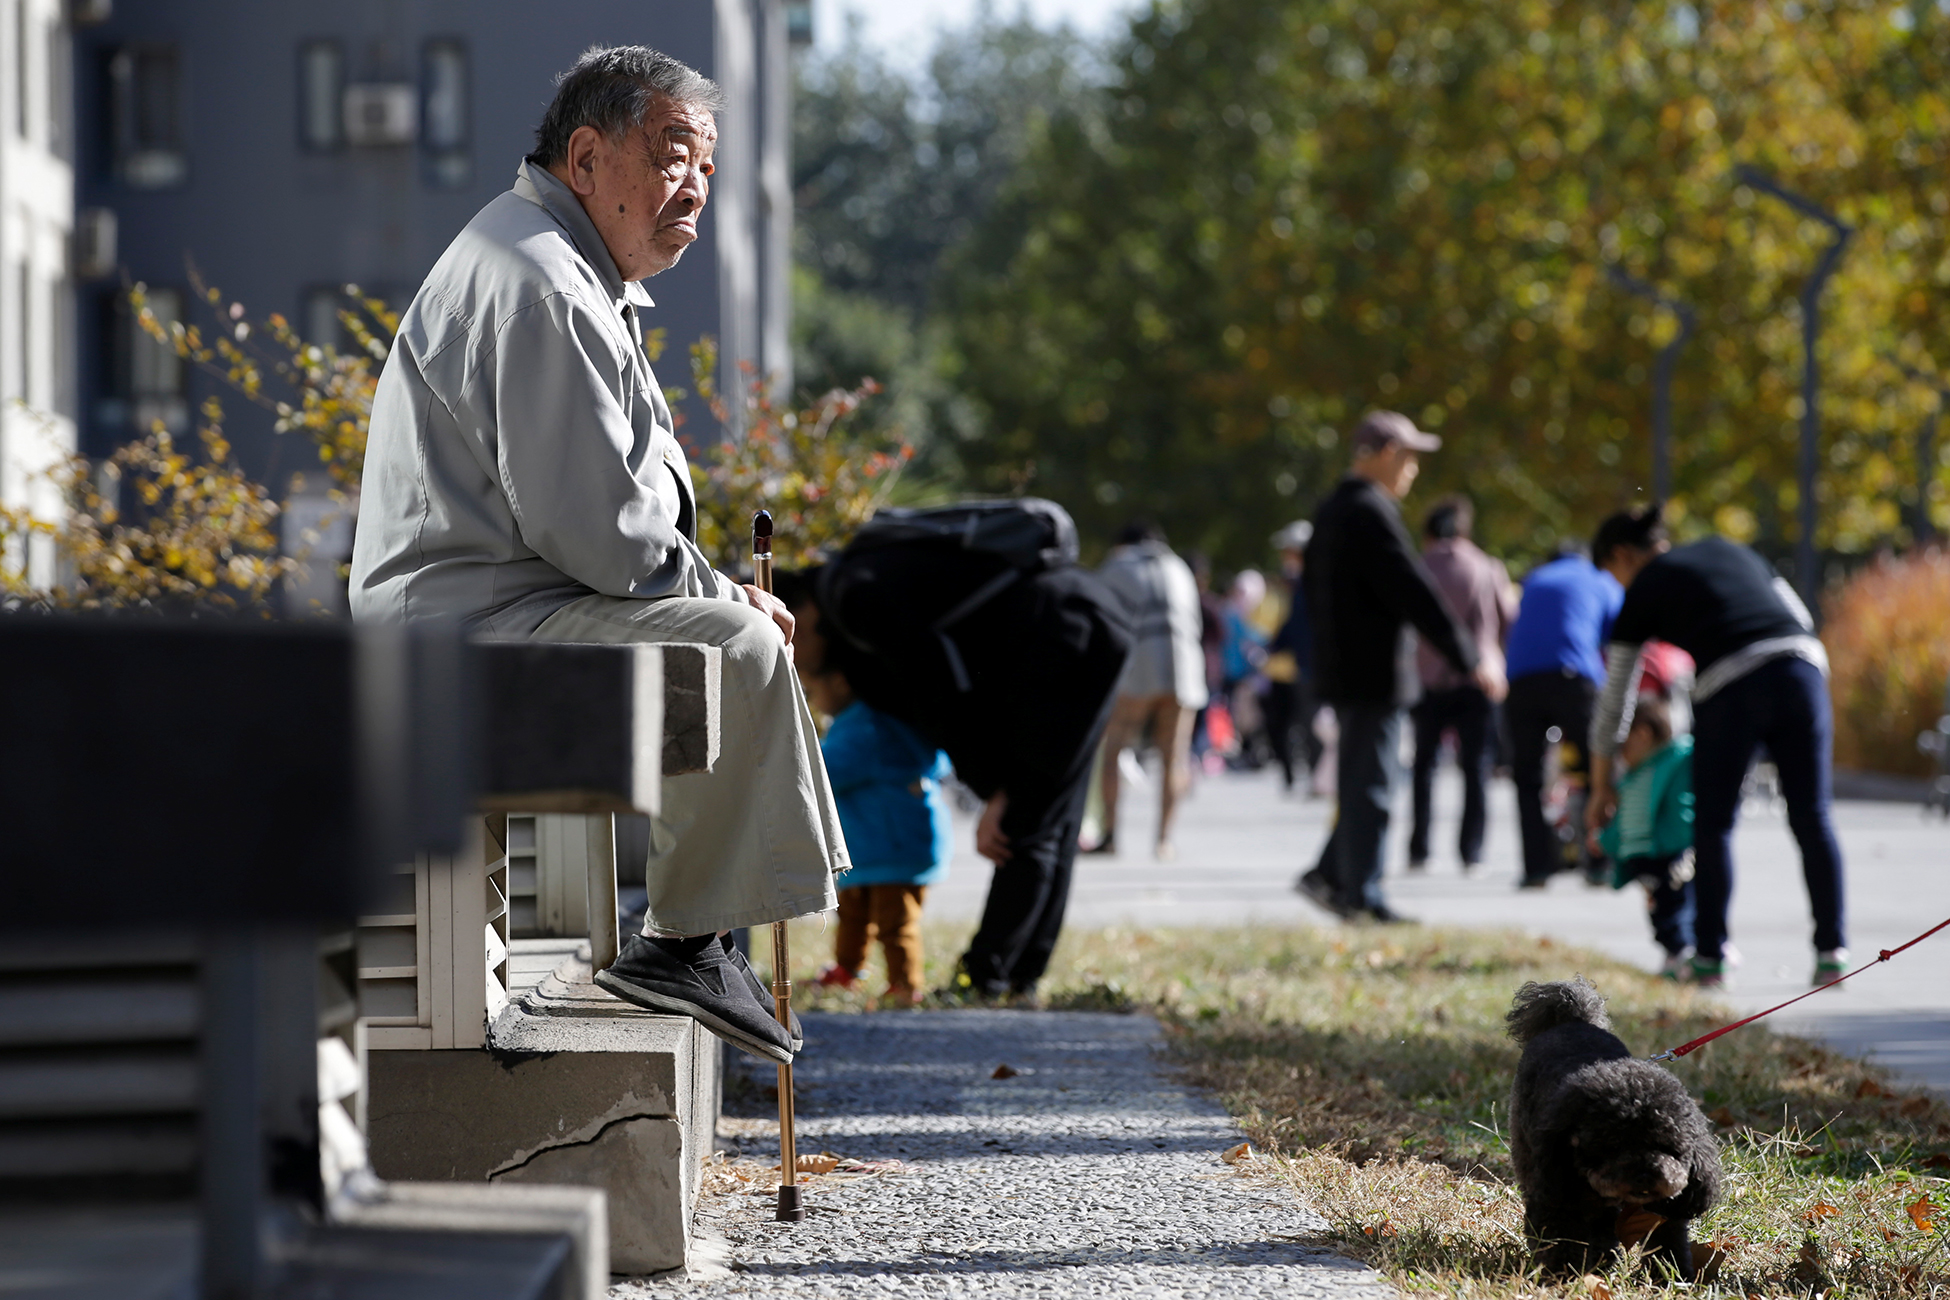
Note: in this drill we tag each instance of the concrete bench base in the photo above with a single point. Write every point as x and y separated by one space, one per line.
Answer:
576 1087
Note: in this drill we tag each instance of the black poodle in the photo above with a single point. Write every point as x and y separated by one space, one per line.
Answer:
1609 1150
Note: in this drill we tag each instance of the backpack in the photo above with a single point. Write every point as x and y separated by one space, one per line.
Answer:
1029 535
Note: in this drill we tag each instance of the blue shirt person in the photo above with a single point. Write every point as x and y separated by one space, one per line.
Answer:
1556 665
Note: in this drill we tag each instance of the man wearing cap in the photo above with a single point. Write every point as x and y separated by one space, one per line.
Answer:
1366 586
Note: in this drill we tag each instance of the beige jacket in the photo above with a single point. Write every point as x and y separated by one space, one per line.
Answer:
521 455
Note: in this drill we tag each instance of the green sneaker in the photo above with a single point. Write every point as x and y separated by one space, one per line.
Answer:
1708 973
1830 965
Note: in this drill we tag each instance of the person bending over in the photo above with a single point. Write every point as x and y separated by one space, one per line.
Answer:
523 481
1762 681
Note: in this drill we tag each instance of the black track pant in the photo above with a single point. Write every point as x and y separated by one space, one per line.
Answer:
1027 897
1537 703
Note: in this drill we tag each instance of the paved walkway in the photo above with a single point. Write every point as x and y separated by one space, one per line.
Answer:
1241 842
1087 1173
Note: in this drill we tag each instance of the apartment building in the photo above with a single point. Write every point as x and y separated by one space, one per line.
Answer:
37 204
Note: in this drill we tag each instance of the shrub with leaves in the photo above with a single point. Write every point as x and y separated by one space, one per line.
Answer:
196 532
325 393
159 525
814 468
1888 635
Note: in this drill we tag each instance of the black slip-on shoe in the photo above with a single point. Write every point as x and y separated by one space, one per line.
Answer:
705 987
763 992
1313 887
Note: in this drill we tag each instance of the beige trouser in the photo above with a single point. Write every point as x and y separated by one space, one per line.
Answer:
756 839
1169 726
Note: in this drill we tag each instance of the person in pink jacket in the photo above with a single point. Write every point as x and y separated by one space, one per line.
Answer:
1478 592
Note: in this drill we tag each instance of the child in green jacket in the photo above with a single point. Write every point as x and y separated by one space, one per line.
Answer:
1651 837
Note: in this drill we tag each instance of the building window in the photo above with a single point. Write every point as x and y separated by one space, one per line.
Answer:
61 340
443 78
146 116
319 318
146 380
321 95
60 91
23 69
24 307
799 22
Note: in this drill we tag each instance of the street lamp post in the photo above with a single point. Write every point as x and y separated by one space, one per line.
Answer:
1662 370
1921 530
1804 551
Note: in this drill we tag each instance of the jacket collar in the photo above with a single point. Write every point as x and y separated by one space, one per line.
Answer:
540 187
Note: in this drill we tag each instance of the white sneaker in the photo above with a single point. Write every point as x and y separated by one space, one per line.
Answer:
1677 966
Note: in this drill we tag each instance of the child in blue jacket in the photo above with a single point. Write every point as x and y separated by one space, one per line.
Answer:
887 782
1650 839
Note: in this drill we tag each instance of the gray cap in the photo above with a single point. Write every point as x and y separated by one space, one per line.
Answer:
1379 429
1294 537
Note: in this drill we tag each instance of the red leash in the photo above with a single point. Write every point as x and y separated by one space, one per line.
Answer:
1704 1039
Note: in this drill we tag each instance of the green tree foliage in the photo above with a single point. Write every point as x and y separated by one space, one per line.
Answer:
890 170
1281 213
816 468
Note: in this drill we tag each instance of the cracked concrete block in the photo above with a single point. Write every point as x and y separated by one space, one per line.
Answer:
640 1165
693 694
573 1080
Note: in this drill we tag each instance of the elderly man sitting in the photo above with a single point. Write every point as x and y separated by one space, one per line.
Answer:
522 479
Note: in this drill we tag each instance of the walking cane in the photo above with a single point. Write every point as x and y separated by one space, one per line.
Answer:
791 1209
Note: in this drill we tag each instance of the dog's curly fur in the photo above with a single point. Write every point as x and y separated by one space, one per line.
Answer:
1597 1136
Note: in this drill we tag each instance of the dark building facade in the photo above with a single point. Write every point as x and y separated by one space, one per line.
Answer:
288 149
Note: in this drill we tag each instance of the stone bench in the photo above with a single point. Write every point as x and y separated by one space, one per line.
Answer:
495 1058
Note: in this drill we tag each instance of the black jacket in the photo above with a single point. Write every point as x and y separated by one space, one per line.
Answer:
1364 582
1038 666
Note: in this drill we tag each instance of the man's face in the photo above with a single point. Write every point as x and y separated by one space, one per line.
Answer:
645 189
1391 468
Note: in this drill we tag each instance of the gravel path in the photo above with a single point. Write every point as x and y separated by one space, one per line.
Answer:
1087 1173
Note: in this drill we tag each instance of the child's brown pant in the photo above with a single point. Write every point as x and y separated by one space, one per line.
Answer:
894 912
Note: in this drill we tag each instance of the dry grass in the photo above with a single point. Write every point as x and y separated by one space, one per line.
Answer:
1372 1069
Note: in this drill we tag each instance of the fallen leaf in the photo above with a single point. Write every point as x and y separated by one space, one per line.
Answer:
1723 1117
823 1163
1940 1160
1635 1226
1908 1276
1922 1213
1005 1071
1914 1108
1238 1154
871 1167
1807 1263
1819 1210
1870 1088
1707 1259
1594 1286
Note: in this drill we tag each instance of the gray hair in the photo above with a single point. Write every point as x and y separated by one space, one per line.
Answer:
612 88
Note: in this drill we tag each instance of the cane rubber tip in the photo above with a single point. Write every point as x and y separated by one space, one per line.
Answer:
762 524
791 1208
